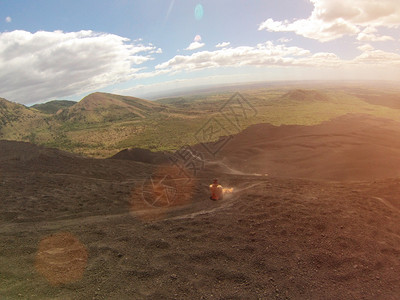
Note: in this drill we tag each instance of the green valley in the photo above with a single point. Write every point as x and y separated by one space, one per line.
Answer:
102 124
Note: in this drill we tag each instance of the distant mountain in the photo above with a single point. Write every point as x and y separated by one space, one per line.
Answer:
103 124
54 106
300 95
100 118
104 107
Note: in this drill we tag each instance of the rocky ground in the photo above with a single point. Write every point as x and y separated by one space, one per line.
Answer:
78 228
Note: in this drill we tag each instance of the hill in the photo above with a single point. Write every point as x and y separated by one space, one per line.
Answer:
346 148
104 107
11 112
54 106
301 95
17 121
350 147
102 124
141 155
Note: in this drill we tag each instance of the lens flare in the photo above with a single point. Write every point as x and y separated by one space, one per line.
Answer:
61 258
198 12
167 188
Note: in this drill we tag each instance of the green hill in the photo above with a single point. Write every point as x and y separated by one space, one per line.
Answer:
54 106
11 112
104 107
17 121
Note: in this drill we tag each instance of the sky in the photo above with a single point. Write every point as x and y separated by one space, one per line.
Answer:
66 49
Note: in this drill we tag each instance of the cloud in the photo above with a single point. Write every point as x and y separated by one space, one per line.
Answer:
222 45
366 47
369 34
264 54
157 51
196 44
8 19
377 58
270 55
284 40
43 65
312 28
268 61
331 20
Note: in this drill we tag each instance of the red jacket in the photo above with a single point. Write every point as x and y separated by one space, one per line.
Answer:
216 191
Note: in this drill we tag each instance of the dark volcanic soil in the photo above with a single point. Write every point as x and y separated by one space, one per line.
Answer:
351 147
77 228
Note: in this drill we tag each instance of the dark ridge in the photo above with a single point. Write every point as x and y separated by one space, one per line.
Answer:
141 155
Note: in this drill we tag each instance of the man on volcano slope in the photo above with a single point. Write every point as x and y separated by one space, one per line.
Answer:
216 190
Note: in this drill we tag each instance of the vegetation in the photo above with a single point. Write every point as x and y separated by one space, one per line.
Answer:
102 124
54 106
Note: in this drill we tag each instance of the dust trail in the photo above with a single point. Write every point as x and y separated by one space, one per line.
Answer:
236 190
226 168
387 203
391 206
226 203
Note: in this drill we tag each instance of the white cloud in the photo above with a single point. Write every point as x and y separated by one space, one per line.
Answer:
284 40
366 47
271 55
157 51
330 20
369 34
378 58
222 45
267 61
194 46
44 65
321 60
265 54
311 28
8 19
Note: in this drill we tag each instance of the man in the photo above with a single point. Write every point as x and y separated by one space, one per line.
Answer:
216 190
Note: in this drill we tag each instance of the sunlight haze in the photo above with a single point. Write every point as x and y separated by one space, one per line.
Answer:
67 49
